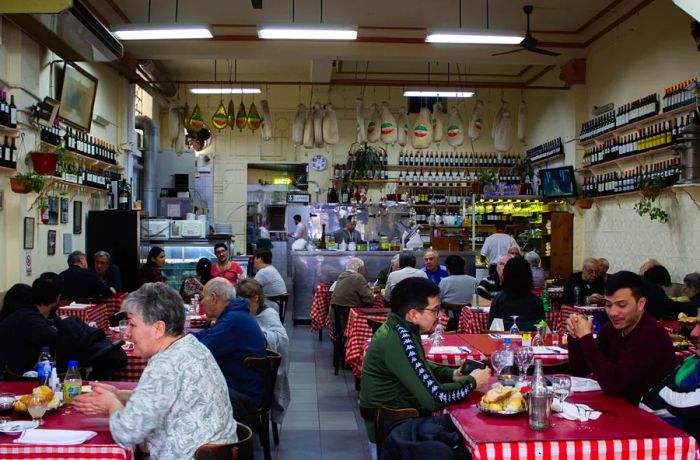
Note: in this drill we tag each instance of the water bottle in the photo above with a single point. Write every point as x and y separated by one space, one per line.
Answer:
437 338
195 305
545 300
72 384
507 348
44 366
577 295
539 403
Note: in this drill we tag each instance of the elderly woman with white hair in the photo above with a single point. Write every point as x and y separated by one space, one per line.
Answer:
351 290
181 401
538 274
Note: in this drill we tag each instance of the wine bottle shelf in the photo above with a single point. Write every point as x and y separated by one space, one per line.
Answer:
548 159
443 168
634 125
9 132
634 157
93 161
51 180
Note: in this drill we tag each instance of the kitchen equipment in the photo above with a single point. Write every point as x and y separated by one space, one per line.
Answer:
188 229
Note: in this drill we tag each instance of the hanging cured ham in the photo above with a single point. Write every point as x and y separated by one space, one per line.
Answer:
388 129
455 128
522 114
298 125
361 135
503 129
330 126
253 121
309 130
402 131
476 121
438 122
241 117
318 125
231 115
373 130
266 120
422 130
196 120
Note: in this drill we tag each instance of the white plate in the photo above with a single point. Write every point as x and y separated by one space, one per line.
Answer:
17 427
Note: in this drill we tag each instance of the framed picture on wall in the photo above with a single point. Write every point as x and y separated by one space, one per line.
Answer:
77 217
28 233
54 203
67 243
51 243
64 210
77 96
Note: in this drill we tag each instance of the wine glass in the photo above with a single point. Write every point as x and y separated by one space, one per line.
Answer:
37 408
524 358
514 328
6 402
499 360
561 384
123 325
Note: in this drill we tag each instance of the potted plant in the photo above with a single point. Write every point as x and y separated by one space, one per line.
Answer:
28 182
44 160
584 203
523 169
364 162
484 177
651 188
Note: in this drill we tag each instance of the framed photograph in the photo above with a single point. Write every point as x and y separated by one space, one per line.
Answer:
54 203
77 217
67 243
28 233
77 96
64 210
51 243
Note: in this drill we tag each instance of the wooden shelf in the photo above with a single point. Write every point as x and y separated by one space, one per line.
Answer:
673 188
634 156
52 180
366 181
636 124
9 132
8 169
466 186
548 159
93 161
442 168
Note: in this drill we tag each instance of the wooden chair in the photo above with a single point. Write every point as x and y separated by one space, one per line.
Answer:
456 309
374 325
268 367
282 301
340 318
240 450
387 419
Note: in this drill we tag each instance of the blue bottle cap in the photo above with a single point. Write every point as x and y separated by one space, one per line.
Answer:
45 349
73 363
506 340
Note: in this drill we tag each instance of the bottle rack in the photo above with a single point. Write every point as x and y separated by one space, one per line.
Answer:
454 160
627 114
81 146
678 96
613 184
546 152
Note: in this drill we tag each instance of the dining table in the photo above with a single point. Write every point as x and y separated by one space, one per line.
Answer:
622 431
100 447
476 320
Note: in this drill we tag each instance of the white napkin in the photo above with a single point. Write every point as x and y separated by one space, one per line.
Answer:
550 350
448 350
81 306
497 325
582 384
570 411
55 437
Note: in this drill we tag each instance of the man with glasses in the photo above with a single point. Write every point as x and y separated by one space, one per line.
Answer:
588 282
395 372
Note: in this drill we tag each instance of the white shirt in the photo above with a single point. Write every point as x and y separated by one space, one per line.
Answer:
400 275
300 231
496 246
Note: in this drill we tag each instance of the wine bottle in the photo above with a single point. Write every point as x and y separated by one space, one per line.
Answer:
12 119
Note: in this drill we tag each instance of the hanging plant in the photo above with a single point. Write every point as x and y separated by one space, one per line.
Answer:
364 162
219 119
28 182
651 189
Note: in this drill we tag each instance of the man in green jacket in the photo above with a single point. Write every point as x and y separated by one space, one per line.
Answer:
395 372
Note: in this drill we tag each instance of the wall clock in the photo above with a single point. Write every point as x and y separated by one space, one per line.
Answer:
319 162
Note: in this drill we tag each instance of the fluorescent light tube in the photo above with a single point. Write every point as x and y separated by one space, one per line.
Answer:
160 32
225 90
307 33
474 37
692 7
437 93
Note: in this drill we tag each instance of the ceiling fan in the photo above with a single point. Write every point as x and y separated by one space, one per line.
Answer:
529 43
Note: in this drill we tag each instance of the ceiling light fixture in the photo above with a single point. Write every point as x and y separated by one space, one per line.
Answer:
691 7
437 93
225 90
482 37
160 32
324 32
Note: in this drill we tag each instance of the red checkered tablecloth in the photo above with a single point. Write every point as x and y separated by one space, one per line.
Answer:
114 304
568 310
10 451
476 322
320 304
97 313
357 333
453 359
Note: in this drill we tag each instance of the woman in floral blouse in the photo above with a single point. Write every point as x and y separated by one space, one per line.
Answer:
192 286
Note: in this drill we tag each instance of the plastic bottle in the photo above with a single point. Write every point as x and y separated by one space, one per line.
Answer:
437 338
44 366
72 384
539 404
545 299
507 347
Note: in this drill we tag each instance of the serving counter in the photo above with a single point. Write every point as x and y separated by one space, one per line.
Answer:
312 267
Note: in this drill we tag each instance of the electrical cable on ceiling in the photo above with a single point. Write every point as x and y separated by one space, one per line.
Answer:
487 14
177 7
460 14
149 11
293 11
321 10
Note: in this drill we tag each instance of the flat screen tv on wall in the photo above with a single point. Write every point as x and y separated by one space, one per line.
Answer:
558 182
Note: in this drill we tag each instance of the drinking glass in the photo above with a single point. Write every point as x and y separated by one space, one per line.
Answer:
561 385
514 328
123 324
524 358
6 401
37 408
499 360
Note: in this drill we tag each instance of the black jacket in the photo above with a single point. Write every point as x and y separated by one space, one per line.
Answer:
23 334
529 309
663 307
81 283
576 280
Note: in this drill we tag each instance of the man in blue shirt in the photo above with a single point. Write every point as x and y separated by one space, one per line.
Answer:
234 336
433 269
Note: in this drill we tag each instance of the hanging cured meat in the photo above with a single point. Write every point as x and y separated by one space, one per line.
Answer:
231 114
266 120
196 120
330 126
218 120
422 130
476 121
360 120
522 114
241 118
455 128
438 122
187 114
298 125
402 129
503 129
318 125
309 130
253 121
373 132
388 129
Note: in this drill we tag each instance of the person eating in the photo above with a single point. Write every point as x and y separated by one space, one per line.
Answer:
517 297
225 268
181 401
587 281
151 270
490 286
106 271
432 268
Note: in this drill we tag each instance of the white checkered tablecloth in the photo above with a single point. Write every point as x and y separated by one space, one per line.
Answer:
97 313
9 451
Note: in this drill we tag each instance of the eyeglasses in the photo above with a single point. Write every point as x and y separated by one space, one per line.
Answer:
435 311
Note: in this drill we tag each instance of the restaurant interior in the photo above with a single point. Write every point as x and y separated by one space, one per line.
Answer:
180 143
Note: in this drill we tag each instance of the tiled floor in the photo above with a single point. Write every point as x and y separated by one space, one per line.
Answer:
323 420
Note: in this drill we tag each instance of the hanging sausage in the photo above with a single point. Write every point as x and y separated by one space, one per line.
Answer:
266 120
438 122
318 125
298 125
522 114
402 131
388 125
476 121
330 126
309 130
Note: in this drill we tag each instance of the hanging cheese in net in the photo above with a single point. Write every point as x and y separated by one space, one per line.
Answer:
455 128
438 122
218 120
298 125
318 125
373 130
476 121
503 129
388 132
309 130
330 126
422 130
241 118
402 127
266 128
361 124
522 115
196 120
254 121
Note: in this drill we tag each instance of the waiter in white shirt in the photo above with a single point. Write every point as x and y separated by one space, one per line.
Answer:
300 229
496 246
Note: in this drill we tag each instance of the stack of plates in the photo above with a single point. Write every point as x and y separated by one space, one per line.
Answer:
223 228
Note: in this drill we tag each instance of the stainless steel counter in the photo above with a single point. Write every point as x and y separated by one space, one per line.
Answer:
312 267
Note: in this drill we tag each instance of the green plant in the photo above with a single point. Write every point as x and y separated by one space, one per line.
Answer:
523 169
31 181
487 176
364 162
651 188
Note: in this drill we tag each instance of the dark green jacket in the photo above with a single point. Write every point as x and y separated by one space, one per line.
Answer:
396 374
